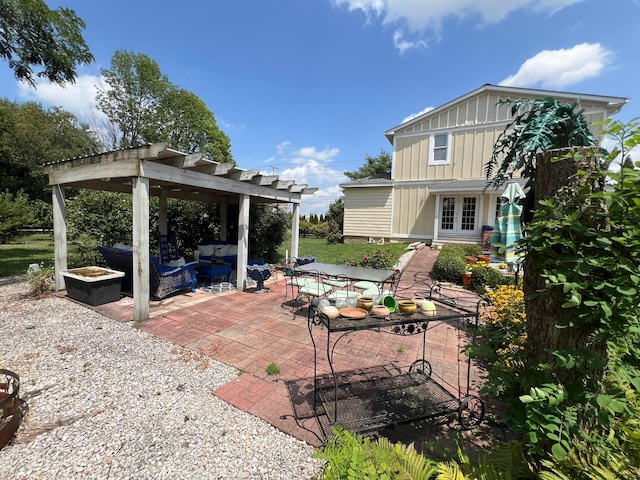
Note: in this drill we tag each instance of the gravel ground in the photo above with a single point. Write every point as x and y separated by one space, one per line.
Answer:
107 401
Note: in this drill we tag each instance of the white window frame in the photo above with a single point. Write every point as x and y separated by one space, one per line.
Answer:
432 148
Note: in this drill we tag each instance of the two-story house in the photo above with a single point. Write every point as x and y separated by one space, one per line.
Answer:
436 191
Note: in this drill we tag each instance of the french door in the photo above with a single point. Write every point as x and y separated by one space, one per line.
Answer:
458 214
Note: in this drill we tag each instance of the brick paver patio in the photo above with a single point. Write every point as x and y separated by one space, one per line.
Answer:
249 331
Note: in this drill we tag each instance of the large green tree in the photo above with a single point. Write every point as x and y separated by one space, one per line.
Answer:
131 100
144 106
372 166
31 136
189 126
32 35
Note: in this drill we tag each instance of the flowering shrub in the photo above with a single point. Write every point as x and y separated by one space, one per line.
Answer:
381 259
503 335
483 274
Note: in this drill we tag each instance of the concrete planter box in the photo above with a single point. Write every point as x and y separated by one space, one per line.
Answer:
93 285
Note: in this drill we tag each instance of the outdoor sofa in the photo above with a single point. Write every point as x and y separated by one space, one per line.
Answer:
163 279
219 250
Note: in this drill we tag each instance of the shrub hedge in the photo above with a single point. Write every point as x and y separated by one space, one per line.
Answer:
451 262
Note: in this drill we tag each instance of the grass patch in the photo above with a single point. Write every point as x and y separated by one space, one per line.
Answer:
340 252
273 369
16 255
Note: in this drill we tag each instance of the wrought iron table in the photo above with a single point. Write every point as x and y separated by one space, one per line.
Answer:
375 397
354 273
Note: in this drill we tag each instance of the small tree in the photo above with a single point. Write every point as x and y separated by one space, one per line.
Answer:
267 230
335 221
15 213
372 166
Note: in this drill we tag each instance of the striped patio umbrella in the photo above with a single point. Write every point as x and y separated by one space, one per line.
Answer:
508 230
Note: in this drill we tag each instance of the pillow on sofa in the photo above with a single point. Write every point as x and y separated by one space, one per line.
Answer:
178 262
206 250
220 250
232 250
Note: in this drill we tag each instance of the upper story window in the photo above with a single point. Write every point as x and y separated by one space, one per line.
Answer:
440 151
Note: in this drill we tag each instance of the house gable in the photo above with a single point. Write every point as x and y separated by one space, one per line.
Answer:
472 123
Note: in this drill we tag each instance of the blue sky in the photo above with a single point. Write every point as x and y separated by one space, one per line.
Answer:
306 88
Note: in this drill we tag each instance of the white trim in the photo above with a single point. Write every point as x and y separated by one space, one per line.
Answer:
393 160
392 213
366 185
436 219
452 130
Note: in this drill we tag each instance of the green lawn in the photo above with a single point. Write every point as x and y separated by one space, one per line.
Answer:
16 255
338 253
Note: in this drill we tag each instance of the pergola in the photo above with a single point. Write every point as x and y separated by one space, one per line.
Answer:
158 170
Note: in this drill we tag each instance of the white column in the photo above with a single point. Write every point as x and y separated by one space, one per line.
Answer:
436 218
243 241
223 220
141 289
59 235
295 230
162 212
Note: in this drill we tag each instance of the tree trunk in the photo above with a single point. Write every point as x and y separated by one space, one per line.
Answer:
542 304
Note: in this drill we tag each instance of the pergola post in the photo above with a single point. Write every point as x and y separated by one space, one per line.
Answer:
243 241
295 230
59 235
141 288
162 212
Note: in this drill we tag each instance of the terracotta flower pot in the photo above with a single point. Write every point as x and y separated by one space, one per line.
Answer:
471 260
484 258
466 279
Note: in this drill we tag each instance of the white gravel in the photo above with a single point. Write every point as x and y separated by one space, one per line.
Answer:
107 401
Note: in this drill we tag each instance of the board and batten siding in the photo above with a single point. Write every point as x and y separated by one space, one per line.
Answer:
470 151
413 212
367 212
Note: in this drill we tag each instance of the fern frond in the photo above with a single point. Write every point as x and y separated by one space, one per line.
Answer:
450 471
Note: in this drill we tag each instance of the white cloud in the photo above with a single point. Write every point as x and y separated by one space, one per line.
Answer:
560 68
78 98
403 45
419 17
414 115
609 143
312 166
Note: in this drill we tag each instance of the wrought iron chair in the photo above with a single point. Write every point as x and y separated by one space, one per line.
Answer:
385 289
314 288
294 284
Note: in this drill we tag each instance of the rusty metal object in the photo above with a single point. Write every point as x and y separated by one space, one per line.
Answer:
10 406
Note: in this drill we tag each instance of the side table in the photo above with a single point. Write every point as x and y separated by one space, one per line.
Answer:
213 270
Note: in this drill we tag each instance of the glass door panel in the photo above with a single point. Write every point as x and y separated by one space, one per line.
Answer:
458 214
447 215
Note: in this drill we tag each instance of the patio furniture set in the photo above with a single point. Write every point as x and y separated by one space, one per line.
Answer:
340 284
